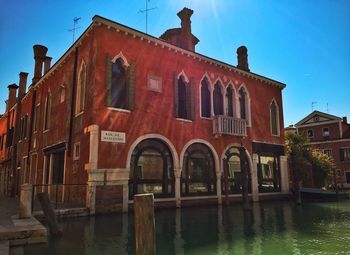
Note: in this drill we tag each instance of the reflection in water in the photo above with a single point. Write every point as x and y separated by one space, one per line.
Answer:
268 228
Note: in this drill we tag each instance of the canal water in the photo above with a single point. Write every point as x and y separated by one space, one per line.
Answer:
269 228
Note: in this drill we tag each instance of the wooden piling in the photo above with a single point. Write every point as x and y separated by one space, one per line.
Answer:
49 214
144 224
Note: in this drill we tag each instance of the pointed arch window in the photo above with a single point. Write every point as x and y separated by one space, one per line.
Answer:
47 114
118 89
230 101
218 99
80 93
243 103
182 92
120 83
274 118
184 97
205 99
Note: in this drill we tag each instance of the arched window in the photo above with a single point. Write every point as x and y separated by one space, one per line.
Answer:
274 118
183 98
47 114
152 169
218 99
198 175
118 88
230 101
80 93
243 103
205 99
234 172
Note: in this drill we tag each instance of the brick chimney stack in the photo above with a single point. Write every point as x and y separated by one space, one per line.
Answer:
11 101
185 16
39 57
22 84
242 57
47 64
345 120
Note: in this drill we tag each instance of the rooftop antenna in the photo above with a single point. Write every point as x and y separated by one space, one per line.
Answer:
146 10
312 105
75 23
327 108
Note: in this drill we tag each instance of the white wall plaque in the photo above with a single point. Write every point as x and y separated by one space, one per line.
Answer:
112 137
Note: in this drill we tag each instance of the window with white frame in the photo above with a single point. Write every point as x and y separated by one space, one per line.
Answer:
47 115
244 104
80 92
345 154
230 101
328 152
274 118
310 133
325 131
347 176
76 152
205 98
218 99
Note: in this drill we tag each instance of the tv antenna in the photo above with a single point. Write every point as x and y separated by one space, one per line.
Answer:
327 108
146 10
312 105
75 23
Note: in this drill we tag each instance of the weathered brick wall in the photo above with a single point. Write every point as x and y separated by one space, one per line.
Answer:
109 198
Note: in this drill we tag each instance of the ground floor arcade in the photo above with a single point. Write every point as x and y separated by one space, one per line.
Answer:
193 175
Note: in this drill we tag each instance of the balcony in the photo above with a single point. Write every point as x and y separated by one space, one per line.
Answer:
224 125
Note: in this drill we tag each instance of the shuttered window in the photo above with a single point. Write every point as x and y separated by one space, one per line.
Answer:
183 98
120 84
218 99
345 154
205 99
230 101
47 111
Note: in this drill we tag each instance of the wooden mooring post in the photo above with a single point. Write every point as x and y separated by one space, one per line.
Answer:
49 213
145 235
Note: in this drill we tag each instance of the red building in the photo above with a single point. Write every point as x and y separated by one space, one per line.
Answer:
125 113
330 134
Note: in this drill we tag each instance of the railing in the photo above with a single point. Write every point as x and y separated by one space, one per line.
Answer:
61 195
224 125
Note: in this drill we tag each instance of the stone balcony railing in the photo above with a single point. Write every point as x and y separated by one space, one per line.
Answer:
224 125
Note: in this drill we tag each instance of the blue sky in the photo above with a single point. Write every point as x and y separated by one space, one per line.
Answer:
305 44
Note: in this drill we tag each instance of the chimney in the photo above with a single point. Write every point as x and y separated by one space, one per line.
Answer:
39 56
185 16
22 84
242 57
345 120
47 64
11 101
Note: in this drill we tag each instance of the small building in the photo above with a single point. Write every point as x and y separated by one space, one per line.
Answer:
331 135
124 112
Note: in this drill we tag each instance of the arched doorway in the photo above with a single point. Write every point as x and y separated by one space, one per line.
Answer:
151 169
198 177
234 172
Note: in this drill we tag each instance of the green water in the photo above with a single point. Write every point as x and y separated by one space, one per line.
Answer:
269 228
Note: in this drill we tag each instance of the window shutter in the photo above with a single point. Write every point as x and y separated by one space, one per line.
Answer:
176 96
341 151
191 101
108 96
131 86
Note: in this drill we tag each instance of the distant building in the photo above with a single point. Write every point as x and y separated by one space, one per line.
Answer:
126 113
331 135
